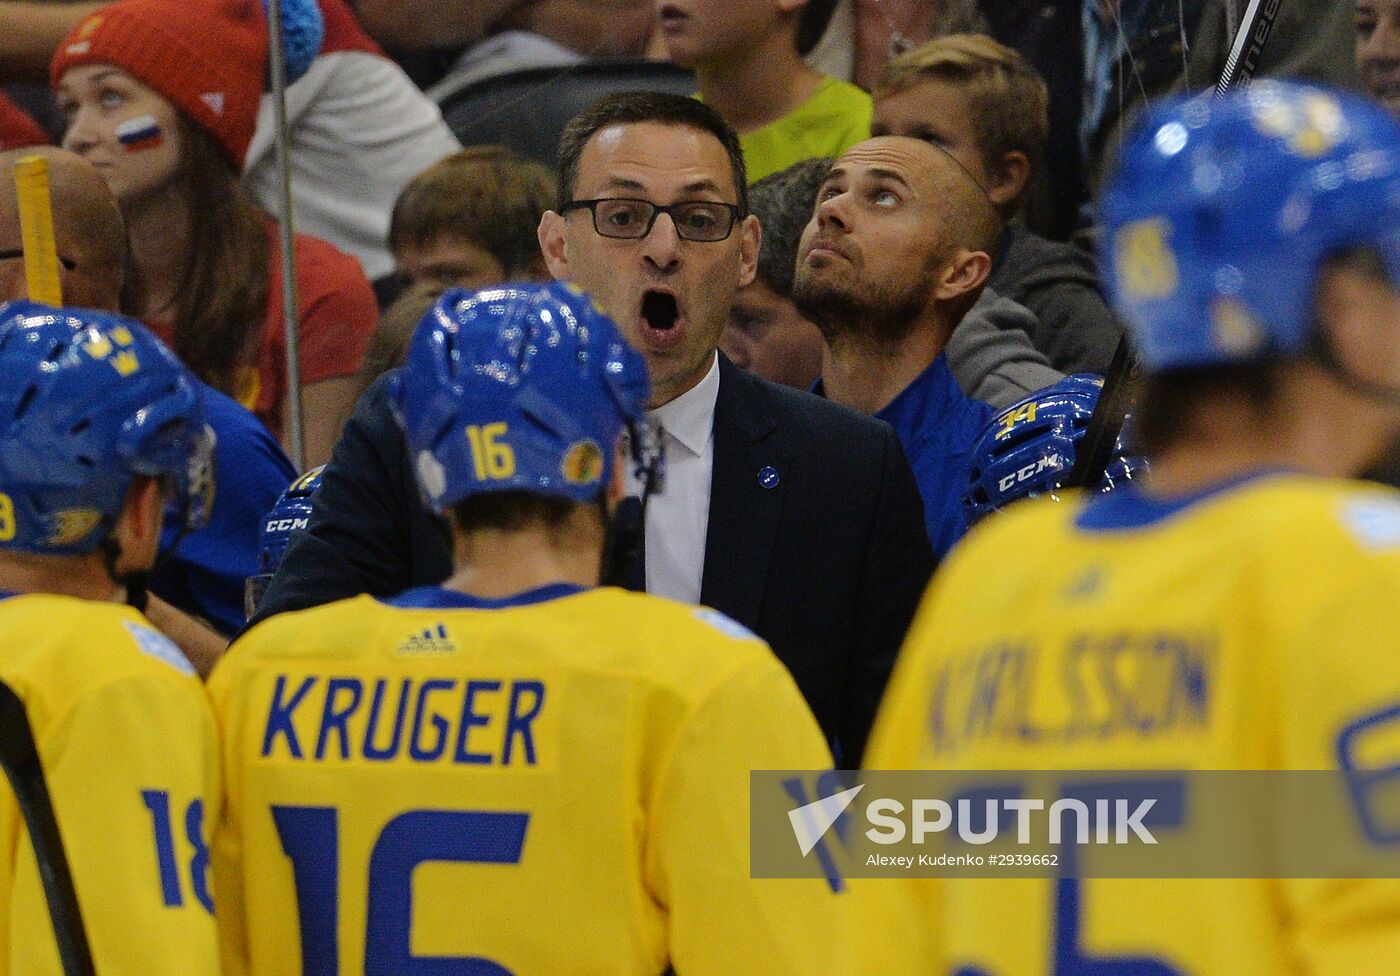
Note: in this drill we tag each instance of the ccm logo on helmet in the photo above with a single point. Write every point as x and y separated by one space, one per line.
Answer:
285 525
1028 472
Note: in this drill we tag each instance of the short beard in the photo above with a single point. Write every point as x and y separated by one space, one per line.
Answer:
881 319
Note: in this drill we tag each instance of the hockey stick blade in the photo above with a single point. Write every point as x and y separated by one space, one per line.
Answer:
19 757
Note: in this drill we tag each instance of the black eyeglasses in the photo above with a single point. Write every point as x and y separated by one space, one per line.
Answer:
19 253
631 220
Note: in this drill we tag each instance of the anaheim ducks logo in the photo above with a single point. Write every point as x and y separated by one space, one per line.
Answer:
582 463
71 525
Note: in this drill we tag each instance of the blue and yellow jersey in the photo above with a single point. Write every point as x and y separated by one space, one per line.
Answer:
1255 627
130 754
555 783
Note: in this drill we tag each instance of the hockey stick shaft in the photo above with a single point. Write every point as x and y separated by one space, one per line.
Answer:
19 756
1110 412
277 63
1106 422
1243 60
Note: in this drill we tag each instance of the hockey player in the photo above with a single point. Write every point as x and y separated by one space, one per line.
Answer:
563 768
1253 246
101 428
1029 449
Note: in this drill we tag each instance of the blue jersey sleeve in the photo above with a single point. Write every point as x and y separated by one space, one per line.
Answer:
204 575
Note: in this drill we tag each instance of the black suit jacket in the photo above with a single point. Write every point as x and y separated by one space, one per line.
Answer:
816 537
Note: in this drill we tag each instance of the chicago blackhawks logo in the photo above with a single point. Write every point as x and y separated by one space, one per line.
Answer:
582 463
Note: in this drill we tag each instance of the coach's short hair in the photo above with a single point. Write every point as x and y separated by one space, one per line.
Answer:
631 108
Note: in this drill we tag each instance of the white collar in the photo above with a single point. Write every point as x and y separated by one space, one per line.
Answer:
690 417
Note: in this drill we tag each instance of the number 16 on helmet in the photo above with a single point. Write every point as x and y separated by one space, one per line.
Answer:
522 388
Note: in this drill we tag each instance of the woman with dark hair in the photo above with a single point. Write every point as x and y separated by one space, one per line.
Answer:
162 97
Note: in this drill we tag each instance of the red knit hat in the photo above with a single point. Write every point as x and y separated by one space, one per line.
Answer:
208 57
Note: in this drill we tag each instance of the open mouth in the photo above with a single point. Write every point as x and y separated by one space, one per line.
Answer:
670 17
660 311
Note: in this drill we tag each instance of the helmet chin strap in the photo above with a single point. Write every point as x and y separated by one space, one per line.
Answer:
136 583
133 583
623 544
1321 351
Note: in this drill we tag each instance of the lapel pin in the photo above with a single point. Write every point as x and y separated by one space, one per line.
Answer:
768 477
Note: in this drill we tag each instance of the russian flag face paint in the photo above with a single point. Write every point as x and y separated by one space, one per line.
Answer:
140 133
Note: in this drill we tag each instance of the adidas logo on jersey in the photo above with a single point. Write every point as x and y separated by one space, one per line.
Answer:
433 640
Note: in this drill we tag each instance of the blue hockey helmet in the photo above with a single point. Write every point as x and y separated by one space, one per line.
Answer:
522 387
288 515
1223 211
89 401
1029 448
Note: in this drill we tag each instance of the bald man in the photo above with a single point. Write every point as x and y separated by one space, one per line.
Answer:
87 227
197 594
894 256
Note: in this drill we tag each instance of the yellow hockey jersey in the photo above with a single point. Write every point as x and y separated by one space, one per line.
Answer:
130 755
1255 626
557 783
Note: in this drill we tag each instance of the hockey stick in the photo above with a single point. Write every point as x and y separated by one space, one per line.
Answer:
19 757
1255 28
277 65
1106 422
36 230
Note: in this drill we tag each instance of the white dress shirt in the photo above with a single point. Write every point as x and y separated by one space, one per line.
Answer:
678 517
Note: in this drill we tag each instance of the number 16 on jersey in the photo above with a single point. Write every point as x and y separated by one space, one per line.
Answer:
311 839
